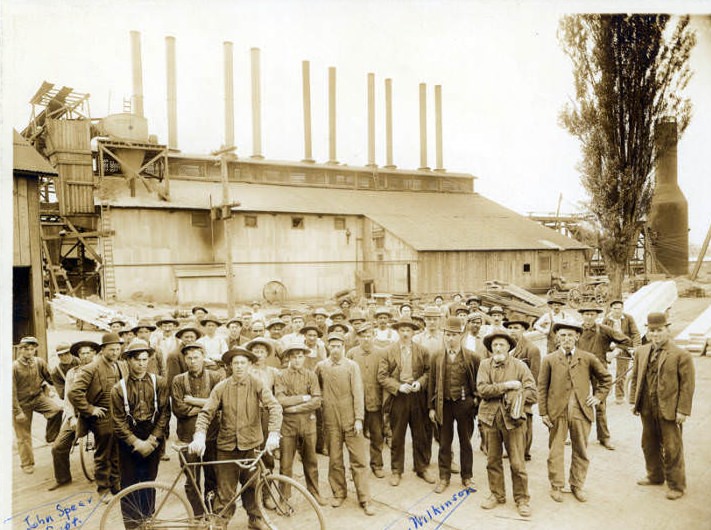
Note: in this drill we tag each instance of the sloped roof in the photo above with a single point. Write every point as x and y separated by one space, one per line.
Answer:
26 158
425 221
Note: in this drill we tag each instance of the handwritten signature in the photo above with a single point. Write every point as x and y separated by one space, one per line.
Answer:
68 513
446 508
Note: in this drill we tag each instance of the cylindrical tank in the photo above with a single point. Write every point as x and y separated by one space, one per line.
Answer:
669 213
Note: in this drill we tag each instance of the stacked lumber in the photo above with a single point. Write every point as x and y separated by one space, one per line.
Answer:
697 334
84 310
516 292
655 297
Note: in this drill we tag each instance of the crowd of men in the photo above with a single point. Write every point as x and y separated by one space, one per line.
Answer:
358 377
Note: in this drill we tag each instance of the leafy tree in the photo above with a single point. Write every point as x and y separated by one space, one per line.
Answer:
630 72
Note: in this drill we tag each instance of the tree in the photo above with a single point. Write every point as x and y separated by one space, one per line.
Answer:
630 72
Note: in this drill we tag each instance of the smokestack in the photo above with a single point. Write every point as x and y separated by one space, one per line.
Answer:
423 128
438 127
389 124
137 73
170 69
332 115
306 83
256 106
229 95
371 120
669 212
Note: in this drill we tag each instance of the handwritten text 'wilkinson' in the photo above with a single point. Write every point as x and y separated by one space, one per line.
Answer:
420 521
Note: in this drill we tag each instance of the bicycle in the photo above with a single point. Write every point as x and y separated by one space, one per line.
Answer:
165 506
87 446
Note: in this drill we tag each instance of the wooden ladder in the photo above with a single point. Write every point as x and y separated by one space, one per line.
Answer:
109 279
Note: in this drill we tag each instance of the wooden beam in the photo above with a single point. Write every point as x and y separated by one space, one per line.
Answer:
702 255
86 244
87 235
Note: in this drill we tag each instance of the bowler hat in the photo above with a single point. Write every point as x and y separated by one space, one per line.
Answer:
453 325
589 309
405 322
198 308
143 323
524 323
656 320
617 301
62 348
311 325
192 346
74 349
166 319
567 325
260 340
117 320
210 318
185 329
499 335
554 300
110 338
137 346
234 352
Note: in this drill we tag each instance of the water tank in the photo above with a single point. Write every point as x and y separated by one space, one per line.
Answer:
669 213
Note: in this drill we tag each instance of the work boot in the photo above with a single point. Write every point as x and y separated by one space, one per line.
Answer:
257 523
395 479
58 485
441 486
491 502
379 473
427 476
673 495
524 509
579 493
368 508
646 481
336 502
556 494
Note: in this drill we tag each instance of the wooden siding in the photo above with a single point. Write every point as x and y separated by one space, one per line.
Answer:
21 256
388 266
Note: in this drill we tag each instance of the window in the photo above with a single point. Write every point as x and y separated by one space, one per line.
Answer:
339 223
297 223
526 267
544 264
250 221
379 242
200 219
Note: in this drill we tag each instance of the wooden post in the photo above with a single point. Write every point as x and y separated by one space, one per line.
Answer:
702 254
225 154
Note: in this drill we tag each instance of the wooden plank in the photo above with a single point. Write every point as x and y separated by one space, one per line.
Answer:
86 244
39 323
22 218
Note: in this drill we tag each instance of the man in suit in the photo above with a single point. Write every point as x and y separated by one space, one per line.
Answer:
625 324
403 372
452 397
565 404
661 393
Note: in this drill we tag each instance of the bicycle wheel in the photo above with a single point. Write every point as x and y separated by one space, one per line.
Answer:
86 455
148 505
295 507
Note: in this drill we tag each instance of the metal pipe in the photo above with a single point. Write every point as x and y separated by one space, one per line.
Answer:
423 127
332 115
170 69
371 120
306 89
438 127
389 124
137 107
229 95
256 105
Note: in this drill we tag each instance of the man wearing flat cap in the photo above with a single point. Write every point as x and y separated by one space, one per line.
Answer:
238 398
566 403
91 397
545 323
31 386
141 410
66 362
403 373
505 385
661 393
623 322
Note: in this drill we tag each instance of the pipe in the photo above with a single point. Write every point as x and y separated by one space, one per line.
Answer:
229 95
423 128
438 127
170 69
389 124
256 105
371 120
332 115
306 89
137 70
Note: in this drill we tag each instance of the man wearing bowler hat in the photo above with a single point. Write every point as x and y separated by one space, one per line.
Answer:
403 373
238 398
661 393
84 352
67 361
452 397
91 396
141 410
506 386
566 403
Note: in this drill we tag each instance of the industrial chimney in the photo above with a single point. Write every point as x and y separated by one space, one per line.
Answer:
423 128
172 95
256 105
306 89
332 116
669 213
137 107
389 124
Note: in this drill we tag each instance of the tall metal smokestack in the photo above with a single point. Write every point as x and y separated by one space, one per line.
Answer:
137 70
170 69
229 95
669 213
332 115
423 128
389 124
306 89
256 106
438 127
371 120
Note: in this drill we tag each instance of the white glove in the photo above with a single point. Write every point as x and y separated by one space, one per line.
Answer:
197 446
272 441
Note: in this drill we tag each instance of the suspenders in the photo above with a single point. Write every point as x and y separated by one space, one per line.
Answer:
126 408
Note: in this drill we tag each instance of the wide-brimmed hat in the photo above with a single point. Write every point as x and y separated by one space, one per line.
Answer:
472 298
497 309
235 320
192 346
453 325
261 340
523 323
320 311
357 314
185 329
382 310
238 350
656 320
337 313
365 326
405 322
496 335
335 335
143 323
124 331
590 308
29 340
616 301
431 311
110 338
285 313
335 325
292 347
198 308
210 318
275 322
417 317
117 320
567 325
137 346
554 300
311 326
62 348
166 319
74 349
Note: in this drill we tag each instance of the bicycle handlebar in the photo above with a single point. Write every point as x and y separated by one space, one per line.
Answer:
244 463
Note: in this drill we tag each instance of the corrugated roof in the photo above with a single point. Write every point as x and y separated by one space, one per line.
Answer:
26 158
425 221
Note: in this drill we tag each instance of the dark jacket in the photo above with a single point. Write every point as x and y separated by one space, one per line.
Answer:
389 371
435 386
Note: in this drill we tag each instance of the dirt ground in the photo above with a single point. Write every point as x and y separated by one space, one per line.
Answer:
615 501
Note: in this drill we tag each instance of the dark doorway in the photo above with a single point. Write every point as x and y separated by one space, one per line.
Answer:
22 320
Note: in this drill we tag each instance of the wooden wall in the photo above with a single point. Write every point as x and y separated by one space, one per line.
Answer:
386 259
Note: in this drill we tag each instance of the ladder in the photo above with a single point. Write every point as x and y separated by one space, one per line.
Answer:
109 280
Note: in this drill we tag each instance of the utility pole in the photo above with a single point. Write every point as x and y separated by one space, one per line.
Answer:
224 213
